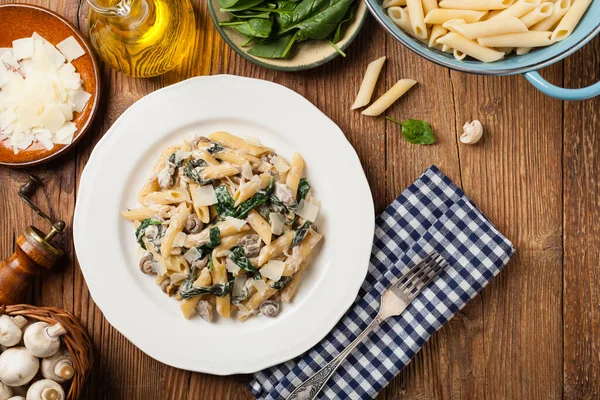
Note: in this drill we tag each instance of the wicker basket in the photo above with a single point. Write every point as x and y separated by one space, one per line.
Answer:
76 340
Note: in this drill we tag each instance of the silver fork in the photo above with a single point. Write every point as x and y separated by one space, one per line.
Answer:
393 302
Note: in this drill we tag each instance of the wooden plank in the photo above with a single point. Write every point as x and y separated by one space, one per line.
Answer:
581 230
509 175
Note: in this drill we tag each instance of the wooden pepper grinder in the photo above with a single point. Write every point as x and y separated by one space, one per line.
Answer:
34 251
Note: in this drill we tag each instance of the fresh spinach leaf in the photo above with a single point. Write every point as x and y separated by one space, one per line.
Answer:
303 188
281 282
415 131
238 5
316 19
255 27
300 234
238 256
141 230
219 290
279 48
337 34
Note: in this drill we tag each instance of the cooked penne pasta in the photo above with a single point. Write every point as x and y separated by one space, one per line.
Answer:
527 39
570 20
470 47
492 27
235 142
368 83
205 231
389 97
276 248
483 5
260 226
295 173
417 18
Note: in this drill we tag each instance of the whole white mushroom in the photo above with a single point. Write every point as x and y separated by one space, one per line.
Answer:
45 389
42 339
10 329
472 132
18 366
5 391
58 367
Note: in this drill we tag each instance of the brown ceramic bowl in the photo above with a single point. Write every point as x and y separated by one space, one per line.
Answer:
21 20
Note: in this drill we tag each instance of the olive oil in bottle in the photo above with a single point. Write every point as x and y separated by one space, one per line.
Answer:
142 38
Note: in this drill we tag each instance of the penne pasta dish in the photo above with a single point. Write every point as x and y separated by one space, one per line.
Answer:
487 30
226 224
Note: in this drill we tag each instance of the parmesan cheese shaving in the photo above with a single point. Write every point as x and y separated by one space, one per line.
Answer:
279 164
178 277
253 140
205 196
246 169
238 285
191 255
273 270
276 223
307 210
179 239
237 223
232 267
181 155
260 285
39 92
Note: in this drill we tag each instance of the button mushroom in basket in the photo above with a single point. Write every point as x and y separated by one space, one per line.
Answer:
42 339
18 366
45 389
58 367
10 329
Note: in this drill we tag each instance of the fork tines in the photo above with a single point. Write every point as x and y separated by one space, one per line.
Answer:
422 274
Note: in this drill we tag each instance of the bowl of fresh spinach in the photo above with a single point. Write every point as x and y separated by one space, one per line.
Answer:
288 35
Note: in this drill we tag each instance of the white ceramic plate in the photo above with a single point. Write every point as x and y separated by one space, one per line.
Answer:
106 246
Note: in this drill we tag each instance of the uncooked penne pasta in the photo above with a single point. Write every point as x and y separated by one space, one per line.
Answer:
470 47
389 97
429 5
492 27
458 54
559 9
518 9
399 16
368 83
439 16
542 11
476 4
570 20
436 32
417 18
527 39
393 3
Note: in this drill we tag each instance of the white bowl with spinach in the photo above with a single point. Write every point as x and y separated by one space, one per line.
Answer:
288 35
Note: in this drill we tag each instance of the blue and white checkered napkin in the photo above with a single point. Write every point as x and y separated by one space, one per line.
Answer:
432 214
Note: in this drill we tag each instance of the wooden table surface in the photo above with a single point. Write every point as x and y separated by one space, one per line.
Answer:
533 333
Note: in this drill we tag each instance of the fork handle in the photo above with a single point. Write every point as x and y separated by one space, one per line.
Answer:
310 388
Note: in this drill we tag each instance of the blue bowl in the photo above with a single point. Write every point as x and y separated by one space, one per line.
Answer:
527 64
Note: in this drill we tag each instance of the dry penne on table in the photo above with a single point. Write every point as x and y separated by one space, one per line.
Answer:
487 30
226 225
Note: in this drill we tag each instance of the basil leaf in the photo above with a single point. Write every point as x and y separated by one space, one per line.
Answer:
281 282
303 188
415 131
300 234
141 230
238 256
219 290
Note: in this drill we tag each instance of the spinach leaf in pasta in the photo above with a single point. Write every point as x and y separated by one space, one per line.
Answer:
303 189
281 282
225 203
215 240
238 256
300 233
219 290
193 171
141 230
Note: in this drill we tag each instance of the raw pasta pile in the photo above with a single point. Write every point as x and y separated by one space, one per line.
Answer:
226 224
487 30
